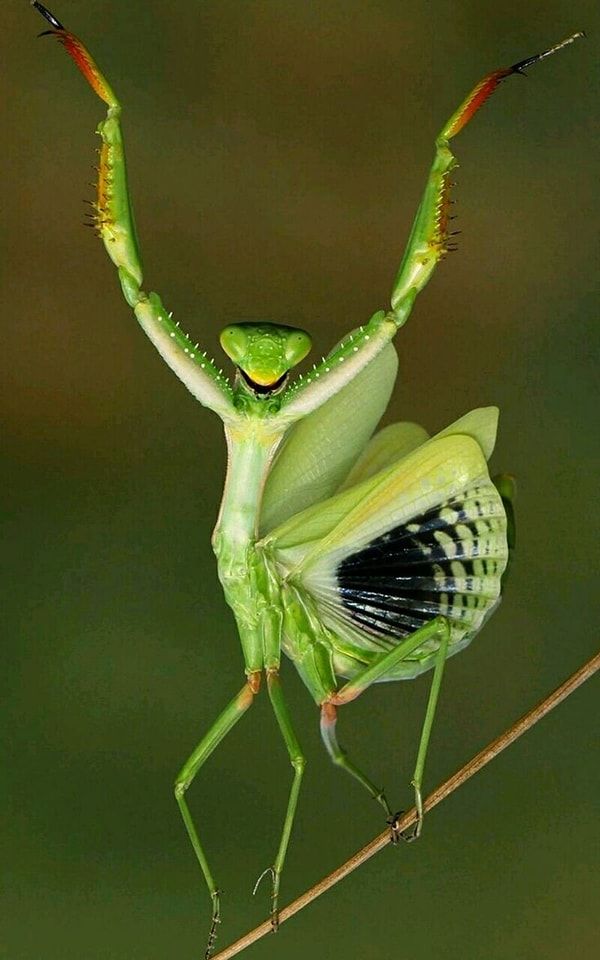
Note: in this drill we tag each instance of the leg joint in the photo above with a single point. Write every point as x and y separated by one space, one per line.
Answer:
299 763
254 678
179 788
339 757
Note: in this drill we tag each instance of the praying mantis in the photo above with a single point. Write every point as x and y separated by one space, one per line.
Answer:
364 557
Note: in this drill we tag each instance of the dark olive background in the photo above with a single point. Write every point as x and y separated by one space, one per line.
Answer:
277 151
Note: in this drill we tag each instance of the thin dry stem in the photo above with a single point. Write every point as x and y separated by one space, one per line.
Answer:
440 793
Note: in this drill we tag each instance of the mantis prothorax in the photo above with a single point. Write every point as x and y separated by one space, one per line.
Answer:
364 558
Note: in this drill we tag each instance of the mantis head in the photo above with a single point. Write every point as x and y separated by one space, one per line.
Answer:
264 353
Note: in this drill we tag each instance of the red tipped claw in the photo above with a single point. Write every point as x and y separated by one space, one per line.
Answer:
78 52
486 87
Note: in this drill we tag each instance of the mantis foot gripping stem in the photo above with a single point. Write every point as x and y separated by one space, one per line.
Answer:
216 919
275 876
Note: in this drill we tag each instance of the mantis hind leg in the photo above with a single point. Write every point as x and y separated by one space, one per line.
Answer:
220 728
417 779
341 758
438 628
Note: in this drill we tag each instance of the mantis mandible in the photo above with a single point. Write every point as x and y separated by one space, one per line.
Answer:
364 558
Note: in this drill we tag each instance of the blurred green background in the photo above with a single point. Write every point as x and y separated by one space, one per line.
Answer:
277 151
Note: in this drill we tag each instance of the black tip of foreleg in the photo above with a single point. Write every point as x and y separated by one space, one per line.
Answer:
56 24
522 64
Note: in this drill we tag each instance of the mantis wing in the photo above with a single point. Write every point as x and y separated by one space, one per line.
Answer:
389 445
399 439
320 449
425 537
384 452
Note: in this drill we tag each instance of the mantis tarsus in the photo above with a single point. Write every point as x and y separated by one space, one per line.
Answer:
364 558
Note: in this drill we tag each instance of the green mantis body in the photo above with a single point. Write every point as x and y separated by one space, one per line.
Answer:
363 558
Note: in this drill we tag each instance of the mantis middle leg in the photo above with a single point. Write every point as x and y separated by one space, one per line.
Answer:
220 728
437 628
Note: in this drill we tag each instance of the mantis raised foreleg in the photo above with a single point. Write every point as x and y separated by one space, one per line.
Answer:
114 220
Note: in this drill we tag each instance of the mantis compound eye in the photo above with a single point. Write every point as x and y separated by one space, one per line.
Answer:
297 347
234 341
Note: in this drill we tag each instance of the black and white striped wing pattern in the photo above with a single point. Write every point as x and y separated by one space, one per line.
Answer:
447 562
438 553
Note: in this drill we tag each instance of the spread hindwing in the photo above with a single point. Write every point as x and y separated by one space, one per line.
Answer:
446 562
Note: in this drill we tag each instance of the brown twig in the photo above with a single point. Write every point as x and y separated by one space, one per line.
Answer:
444 790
